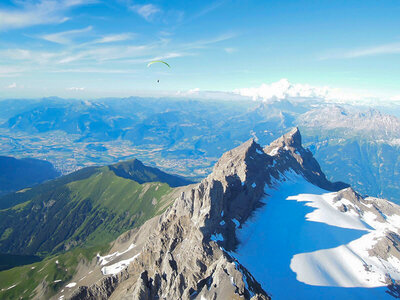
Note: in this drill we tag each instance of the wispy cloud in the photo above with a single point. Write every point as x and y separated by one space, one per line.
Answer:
12 85
147 11
205 42
65 37
114 38
169 55
93 70
207 9
26 55
29 13
76 89
11 71
392 48
102 55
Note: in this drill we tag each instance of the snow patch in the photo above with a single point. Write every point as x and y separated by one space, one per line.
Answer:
118 267
13 286
237 223
259 151
222 223
71 285
103 260
273 152
253 185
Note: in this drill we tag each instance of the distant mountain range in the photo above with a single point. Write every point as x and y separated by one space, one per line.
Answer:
352 143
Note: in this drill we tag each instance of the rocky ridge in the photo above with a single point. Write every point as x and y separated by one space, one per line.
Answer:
185 252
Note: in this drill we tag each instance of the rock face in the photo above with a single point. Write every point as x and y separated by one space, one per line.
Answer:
290 154
185 252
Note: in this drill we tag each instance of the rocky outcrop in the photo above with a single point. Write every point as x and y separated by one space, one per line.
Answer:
185 252
289 153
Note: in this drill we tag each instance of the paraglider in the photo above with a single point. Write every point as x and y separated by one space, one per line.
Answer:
158 61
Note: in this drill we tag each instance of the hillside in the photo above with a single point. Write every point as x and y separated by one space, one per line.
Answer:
17 174
89 207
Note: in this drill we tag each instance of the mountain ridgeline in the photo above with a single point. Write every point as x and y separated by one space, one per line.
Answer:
189 252
321 238
89 207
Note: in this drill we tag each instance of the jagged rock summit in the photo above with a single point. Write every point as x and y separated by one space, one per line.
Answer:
188 251
290 154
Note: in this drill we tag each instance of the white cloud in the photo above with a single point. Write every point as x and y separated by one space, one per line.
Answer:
12 85
395 98
194 91
393 48
203 43
65 37
76 89
147 11
213 6
11 71
114 38
283 89
29 13
93 70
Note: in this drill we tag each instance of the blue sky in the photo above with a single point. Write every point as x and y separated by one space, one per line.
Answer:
98 48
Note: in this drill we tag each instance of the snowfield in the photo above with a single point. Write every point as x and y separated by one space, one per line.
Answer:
301 241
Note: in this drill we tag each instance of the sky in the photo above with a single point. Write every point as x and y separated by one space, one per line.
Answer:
97 48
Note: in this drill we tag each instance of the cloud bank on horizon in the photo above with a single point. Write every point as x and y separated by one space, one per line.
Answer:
102 47
283 89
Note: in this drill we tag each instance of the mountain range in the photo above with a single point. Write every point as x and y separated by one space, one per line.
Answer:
265 223
190 135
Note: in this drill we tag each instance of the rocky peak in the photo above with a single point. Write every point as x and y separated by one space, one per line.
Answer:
135 170
291 140
289 154
241 160
184 253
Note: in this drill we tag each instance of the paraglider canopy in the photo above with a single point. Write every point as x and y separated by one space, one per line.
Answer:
158 61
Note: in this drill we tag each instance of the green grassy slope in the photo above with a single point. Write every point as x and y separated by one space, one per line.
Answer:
45 277
89 207
70 219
